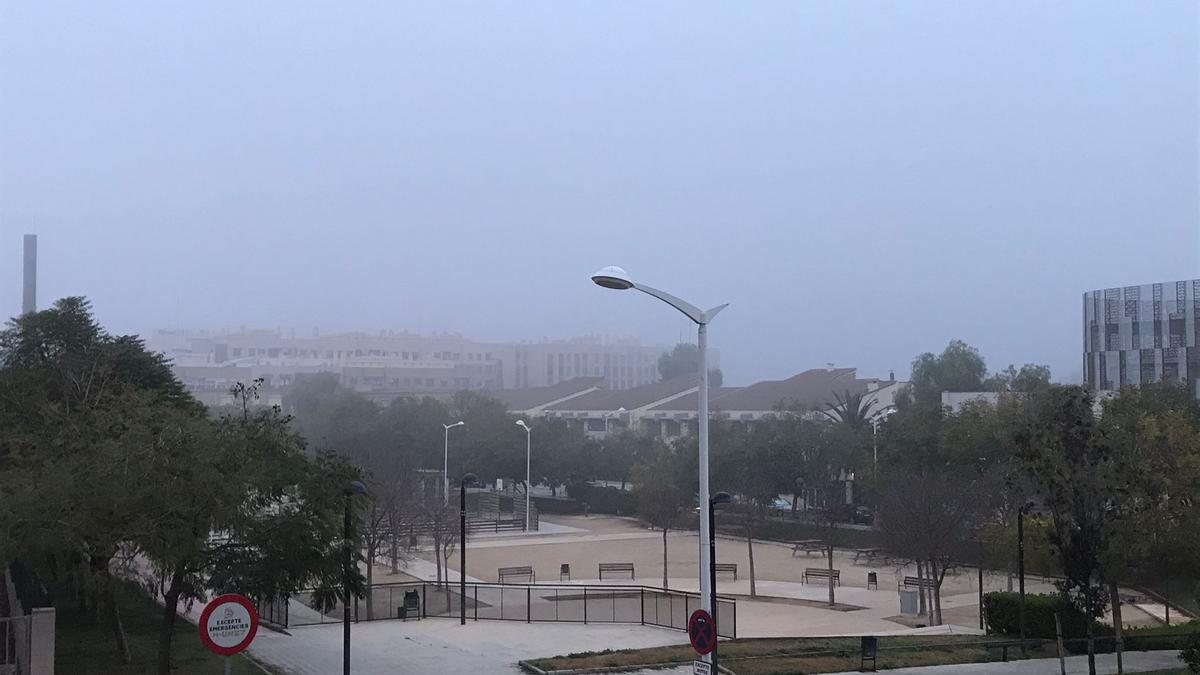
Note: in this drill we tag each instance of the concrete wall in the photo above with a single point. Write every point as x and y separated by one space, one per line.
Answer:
35 630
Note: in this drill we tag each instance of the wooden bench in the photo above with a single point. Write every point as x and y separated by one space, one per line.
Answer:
726 568
526 571
822 573
808 546
616 567
917 582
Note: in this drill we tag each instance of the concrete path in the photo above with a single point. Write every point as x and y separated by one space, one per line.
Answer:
440 646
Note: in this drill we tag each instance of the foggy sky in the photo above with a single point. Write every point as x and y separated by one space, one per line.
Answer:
861 181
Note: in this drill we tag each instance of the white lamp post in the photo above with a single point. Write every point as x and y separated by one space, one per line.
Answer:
446 460
607 415
618 279
875 420
528 484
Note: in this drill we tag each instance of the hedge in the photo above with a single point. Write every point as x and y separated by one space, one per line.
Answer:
1003 612
604 499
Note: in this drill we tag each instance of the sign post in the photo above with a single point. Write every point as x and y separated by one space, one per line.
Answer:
228 625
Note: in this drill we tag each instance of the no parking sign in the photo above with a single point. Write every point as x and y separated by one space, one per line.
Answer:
702 632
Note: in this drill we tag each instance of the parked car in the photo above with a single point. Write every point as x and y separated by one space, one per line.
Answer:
863 515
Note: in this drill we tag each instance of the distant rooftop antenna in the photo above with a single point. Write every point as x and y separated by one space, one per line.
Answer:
29 290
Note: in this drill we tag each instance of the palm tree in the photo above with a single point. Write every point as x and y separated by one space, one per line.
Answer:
853 410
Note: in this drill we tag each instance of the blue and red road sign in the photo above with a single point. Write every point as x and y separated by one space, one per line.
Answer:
702 631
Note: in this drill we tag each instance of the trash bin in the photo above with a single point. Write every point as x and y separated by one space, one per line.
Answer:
872 581
908 603
402 613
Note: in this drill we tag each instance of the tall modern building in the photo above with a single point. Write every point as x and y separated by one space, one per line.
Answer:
1142 334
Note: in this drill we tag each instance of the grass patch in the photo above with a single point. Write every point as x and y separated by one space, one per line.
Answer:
86 648
785 656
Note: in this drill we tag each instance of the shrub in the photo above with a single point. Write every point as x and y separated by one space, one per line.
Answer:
1191 652
1003 612
603 500
1176 636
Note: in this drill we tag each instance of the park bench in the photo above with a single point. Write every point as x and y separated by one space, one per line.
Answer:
917 582
526 572
616 567
726 568
822 573
808 546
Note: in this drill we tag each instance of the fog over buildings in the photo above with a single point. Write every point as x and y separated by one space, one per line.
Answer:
861 182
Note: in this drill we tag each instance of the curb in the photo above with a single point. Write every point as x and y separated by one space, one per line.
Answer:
530 668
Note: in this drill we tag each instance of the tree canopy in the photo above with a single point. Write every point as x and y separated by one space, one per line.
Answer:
684 359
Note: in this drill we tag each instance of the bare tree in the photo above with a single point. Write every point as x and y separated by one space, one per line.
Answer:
930 516
440 522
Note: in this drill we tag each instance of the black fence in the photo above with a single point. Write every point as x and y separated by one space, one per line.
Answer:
530 603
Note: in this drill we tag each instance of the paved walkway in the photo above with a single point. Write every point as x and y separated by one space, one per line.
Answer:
440 646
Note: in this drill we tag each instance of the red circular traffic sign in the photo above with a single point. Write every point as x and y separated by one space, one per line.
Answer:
702 632
228 624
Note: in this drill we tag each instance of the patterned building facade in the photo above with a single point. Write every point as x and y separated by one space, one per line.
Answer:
1141 334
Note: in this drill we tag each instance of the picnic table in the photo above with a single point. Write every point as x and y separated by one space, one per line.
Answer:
871 554
808 546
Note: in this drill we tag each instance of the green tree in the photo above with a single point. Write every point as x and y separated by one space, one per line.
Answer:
958 368
661 494
684 359
75 403
1031 378
852 409
1078 478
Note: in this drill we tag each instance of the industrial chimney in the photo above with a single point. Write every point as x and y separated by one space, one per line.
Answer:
29 290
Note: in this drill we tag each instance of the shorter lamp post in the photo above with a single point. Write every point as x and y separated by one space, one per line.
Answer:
468 479
607 415
353 488
528 484
716 500
446 460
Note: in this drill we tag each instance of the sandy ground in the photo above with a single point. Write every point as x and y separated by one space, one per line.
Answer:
785 606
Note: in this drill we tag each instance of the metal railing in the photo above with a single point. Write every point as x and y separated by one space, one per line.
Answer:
570 603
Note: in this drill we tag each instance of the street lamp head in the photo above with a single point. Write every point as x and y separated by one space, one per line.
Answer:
354 487
469 479
521 423
459 423
721 498
613 277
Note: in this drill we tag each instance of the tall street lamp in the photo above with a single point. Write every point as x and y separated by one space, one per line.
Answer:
467 479
528 485
353 488
446 461
618 279
717 500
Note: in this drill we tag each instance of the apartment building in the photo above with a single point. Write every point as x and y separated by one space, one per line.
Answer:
396 363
